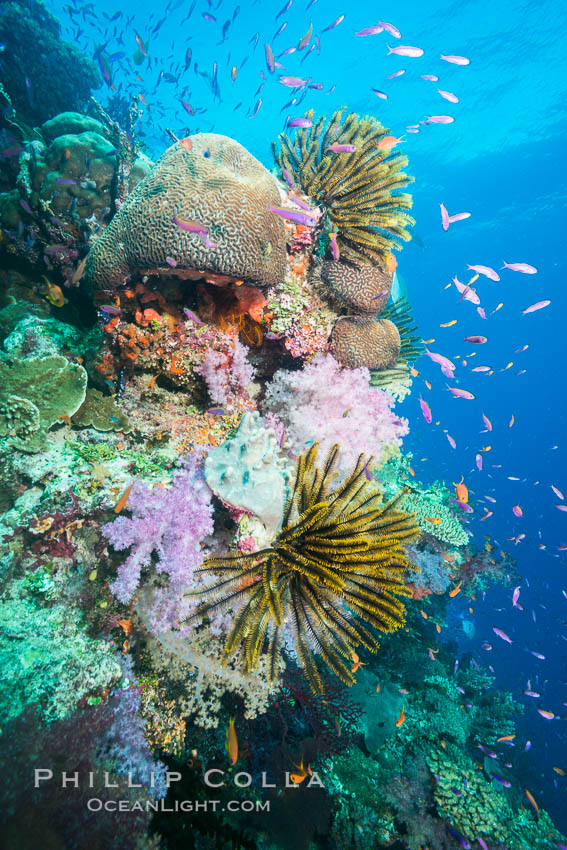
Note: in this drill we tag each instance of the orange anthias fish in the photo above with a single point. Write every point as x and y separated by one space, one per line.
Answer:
231 743
121 503
302 773
386 143
505 738
391 264
559 770
402 717
461 491
186 143
532 801
456 589
434 520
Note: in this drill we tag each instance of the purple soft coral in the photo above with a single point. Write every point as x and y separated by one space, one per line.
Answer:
226 376
170 521
327 403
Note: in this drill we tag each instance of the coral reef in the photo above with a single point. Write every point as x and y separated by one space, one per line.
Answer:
204 208
100 412
370 342
322 401
57 77
247 473
303 581
36 392
359 190
430 506
171 521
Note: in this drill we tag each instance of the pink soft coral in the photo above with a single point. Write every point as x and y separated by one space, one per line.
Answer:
170 521
226 375
328 404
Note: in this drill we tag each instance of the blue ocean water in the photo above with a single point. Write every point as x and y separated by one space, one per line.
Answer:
502 159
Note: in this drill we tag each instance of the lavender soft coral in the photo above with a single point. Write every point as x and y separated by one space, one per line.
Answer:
328 404
170 521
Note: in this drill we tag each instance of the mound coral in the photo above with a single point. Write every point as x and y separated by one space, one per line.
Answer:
429 507
357 341
359 191
339 554
204 207
171 521
329 404
363 286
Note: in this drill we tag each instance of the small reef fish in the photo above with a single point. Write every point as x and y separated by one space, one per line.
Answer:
449 324
476 340
391 264
190 226
405 50
501 634
531 801
300 123
78 273
461 393
557 492
334 247
452 98
336 148
53 293
487 422
122 501
467 293
456 60
447 366
335 23
539 305
302 773
461 491
515 596
386 143
434 520
231 742
390 28
381 94
455 590
426 410
395 74
439 119
452 442
486 271
402 717
298 218
520 267
186 143
517 511
373 30
430 77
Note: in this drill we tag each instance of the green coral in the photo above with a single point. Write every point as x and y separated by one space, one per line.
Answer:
430 505
102 413
47 657
473 806
35 393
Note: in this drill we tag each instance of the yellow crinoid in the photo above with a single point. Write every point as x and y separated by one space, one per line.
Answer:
338 561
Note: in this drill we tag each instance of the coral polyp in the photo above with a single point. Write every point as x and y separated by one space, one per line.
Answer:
338 560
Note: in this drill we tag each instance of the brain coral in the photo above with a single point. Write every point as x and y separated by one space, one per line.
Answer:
216 183
362 286
365 341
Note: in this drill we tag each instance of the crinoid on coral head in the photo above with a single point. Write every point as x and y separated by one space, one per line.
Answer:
338 561
365 341
203 208
355 178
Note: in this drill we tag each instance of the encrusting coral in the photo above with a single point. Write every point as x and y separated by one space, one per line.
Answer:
359 191
339 553
203 209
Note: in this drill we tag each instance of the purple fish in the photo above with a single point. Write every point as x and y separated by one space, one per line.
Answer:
426 410
298 218
192 316
478 340
65 182
190 226
301 123
447 366
285 9
502 781
287 178
405 50
439 119
431 77
269 58
381 94
186 106
395 74
374 30
501 634
110 309
335 23
257 108
461 393
25 206
390 28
